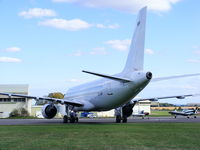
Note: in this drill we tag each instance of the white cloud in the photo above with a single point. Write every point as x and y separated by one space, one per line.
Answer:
10 59
113 26
13 49
197 52
70 25
64 0
193 60
149 51
125 5
99 51
37 13
74 24
73 80
77 53
121 45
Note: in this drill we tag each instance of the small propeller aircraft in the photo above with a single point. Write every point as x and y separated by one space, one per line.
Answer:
185 112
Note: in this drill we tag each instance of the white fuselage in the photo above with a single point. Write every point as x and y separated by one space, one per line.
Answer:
106 94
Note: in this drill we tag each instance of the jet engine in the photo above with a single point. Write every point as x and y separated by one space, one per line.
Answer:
49 111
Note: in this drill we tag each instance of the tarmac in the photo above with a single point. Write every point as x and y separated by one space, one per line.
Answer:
131 120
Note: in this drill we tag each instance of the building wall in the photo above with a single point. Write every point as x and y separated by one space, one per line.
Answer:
110 113
142 106
7 105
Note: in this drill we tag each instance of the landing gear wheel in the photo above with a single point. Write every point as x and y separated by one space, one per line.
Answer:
72 119
65 119
188 117
118 119
76 120
124 119
195 116
175 116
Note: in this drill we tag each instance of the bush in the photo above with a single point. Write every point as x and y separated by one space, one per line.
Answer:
15 113
22 112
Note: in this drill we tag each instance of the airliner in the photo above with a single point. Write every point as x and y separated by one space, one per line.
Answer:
116 91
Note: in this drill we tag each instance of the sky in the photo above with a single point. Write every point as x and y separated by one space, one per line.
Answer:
47 43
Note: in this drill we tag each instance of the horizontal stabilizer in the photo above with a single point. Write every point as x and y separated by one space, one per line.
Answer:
121 79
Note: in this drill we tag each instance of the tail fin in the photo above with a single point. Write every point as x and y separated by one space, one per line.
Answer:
135 58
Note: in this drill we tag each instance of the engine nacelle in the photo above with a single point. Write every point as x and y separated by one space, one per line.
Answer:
49 111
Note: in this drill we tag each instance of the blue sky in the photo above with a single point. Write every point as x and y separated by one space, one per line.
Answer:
47 43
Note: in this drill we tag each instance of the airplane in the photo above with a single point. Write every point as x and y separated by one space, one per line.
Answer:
185 112
111 91
141 114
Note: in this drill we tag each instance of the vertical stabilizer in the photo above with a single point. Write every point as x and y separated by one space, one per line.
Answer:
135 58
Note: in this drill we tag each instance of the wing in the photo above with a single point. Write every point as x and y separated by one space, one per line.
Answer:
61 101
174 77
165 97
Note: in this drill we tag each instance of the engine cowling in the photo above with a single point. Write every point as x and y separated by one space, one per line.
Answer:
49 111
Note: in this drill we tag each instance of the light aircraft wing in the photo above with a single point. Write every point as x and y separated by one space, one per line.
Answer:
165 97
61 101
174 77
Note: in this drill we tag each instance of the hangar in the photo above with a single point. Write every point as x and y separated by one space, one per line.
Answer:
7 105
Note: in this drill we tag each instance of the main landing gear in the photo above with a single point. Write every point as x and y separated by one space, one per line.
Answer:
71 116
120 117
70 119
122 113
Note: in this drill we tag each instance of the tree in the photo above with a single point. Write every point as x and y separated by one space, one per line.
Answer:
56 95
51 95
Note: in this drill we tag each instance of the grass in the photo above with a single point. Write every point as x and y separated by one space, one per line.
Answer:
157 113
20 117
146 136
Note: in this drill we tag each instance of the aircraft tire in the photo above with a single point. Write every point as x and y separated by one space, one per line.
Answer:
65 119
118 119
72 119
124 119
76 120
195 116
